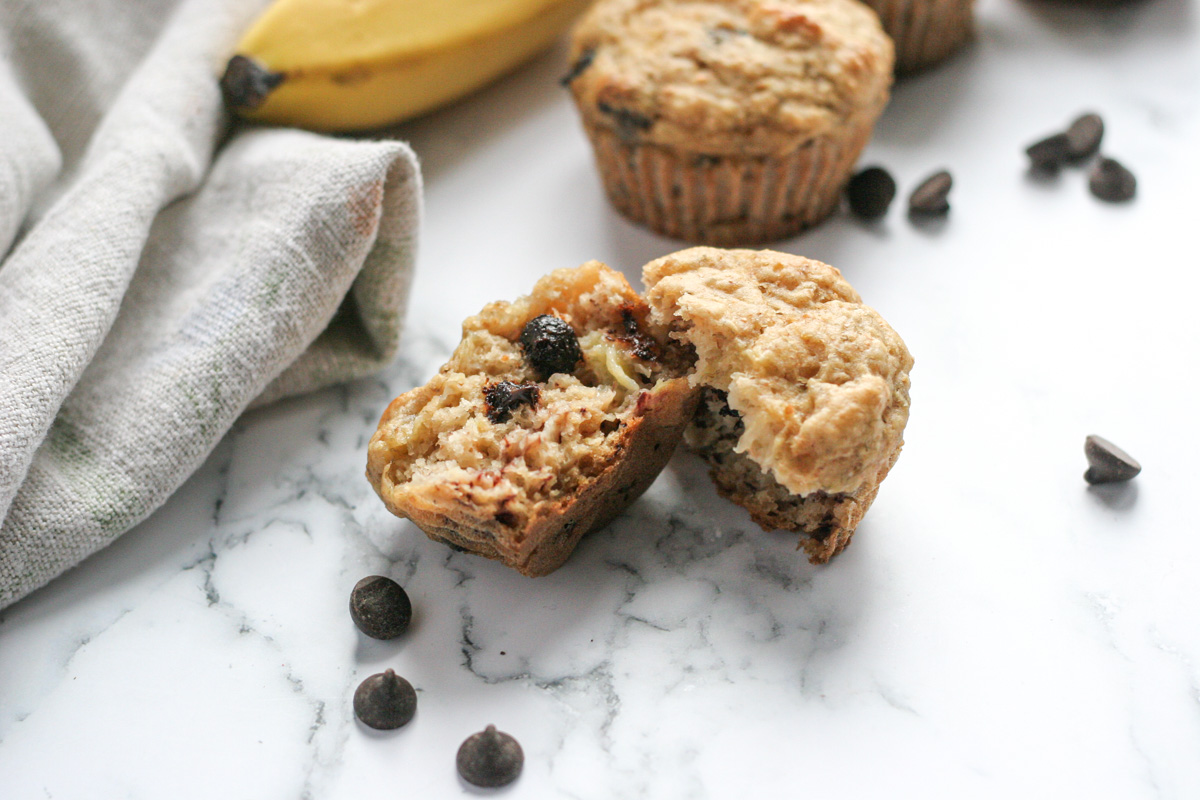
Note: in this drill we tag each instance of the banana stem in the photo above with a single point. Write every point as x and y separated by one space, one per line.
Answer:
246 83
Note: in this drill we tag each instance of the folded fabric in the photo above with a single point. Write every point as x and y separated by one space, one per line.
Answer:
149 291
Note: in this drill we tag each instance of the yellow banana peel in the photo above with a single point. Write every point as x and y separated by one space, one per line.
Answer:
349 65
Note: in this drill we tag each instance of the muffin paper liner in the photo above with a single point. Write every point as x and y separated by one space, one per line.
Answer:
727 200
925 31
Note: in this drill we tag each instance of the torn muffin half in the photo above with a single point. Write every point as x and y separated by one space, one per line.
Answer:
553 414
805 389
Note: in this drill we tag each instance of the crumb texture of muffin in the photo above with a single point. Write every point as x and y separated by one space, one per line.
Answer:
805 388
728 121
497 457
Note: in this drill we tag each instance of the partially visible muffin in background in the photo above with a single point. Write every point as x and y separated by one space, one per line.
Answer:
553 414
805 388
925 31
728 122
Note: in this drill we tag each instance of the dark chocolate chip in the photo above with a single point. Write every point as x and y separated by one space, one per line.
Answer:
1049 154
581 64
503 397
380 607
490 758
246 83
629 123
550 345
930 198
629 321
1084 136
1108 463
641 343
385 701
1111 181
870 192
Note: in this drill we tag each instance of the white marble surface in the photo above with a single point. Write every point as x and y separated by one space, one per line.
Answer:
997 629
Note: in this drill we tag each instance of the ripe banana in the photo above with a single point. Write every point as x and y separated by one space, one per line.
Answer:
347 65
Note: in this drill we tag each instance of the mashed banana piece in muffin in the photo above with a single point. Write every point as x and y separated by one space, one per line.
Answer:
805 389
516 460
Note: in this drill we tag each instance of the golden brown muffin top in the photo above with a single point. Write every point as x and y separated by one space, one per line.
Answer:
729 77
820 379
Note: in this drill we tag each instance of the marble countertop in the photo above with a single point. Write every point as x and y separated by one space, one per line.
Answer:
996 630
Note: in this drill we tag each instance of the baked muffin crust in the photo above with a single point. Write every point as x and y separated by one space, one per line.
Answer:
729 77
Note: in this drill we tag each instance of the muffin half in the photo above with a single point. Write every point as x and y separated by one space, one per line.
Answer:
553 414
805 389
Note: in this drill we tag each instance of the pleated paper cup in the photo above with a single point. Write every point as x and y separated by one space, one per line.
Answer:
728 201
925 31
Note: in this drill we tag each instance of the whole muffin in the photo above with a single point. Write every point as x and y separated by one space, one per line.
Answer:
728 121
925 31
804 388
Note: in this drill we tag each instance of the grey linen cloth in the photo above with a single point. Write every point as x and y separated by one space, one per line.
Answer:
159 274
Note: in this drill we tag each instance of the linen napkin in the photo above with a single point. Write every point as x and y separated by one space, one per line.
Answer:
161 274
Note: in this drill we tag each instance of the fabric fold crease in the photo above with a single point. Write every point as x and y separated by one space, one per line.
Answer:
158 291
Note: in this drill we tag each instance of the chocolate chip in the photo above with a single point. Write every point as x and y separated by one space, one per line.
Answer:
503 397
247 83
380 607
930 198
1108 463
490 758
640 343
1111 181
385 701
550 345
870 192
1049 154
581 64
629 123
1083 137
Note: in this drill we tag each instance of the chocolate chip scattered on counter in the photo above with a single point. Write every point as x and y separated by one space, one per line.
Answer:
502 397
1108 463
490 758
380 607
1049 154
246 83
550 345
870 192
931 197
1084 136
385 701
1111 181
